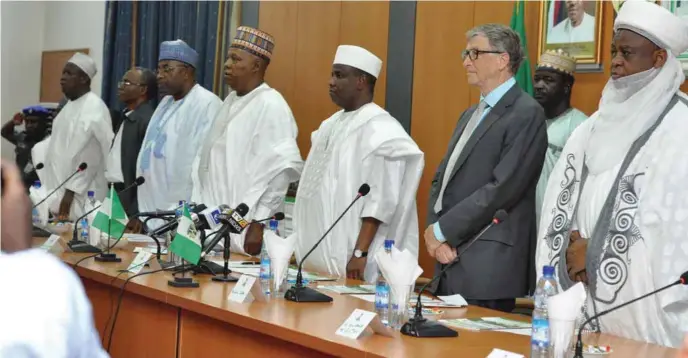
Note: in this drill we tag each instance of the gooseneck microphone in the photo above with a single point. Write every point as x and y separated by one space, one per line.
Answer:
83 247
80 169
39 166
421 327
683 280
300 293
279 216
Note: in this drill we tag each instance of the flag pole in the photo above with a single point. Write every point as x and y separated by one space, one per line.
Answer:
183 281
107 256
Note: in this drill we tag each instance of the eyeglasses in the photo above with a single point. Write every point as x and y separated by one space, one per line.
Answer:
167 69
127 83
474 53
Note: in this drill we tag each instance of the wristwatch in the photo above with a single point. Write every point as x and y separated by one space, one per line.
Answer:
358 253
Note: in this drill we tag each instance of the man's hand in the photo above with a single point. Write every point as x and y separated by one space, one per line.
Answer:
253 241
18 118
16 211
684 349
65 205
134 226
575 258
355 268
445 254
431 243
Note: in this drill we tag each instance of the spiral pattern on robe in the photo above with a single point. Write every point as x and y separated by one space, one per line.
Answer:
629 197
624 220
619 243
613 271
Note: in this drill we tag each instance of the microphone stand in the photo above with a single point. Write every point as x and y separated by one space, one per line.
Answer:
158 253
109 256
579 342
204 266
226 271
420 327
300 293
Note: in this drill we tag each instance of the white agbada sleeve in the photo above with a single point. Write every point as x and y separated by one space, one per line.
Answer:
98 134
385 177
51 317
273 196
195 131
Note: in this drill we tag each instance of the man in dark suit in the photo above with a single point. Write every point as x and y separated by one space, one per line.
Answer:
137 90
493 162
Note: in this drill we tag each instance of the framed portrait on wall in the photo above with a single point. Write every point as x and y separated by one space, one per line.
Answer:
680 9
574 26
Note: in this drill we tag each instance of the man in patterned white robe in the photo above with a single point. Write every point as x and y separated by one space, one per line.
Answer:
615 214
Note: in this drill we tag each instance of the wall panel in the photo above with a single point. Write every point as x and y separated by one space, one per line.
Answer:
279 19
440 92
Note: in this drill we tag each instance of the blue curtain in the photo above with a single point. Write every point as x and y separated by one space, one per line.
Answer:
201 24
117 48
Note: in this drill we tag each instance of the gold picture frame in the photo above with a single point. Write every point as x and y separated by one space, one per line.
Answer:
584 43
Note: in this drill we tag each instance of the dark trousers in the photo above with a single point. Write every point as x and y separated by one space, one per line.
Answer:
504 305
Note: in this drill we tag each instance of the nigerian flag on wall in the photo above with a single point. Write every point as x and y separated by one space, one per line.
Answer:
518 24
186 243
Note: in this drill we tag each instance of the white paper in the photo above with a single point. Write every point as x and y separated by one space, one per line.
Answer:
241 292
454 300
245 270
499 353
139 262
152 250
48 244
357 322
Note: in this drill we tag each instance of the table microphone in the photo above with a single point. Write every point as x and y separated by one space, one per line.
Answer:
300 293
80 169
39 166
421 327
683 280
279 216
83 247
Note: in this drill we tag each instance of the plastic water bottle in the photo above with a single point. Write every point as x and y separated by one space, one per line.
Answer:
540 339
84 222
92 198
179 211
265 269
35 215
382 289
274 226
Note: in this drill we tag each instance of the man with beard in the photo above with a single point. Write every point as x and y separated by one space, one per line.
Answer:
553 84
614 214
81 133
36 122
250 155
176 131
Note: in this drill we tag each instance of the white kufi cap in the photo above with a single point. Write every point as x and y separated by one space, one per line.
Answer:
85 63
358 57
655 23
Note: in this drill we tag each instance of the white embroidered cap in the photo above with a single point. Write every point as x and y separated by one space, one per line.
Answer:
655 23
358 57
85 63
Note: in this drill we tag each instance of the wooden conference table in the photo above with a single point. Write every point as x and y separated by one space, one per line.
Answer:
160 321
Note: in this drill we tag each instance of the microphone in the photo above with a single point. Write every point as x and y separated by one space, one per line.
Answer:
39 166
232 221
300 293
279 216
421 327
683 280
83 247
80 169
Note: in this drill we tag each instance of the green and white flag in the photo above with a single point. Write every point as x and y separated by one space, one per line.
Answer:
111 217
186 243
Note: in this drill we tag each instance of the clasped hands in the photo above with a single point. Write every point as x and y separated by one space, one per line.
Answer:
441 251
575 258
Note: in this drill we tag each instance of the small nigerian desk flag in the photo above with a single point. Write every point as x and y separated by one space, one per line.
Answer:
111 217
186 243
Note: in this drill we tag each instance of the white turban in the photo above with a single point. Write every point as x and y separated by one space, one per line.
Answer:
358 57
85 63
655 23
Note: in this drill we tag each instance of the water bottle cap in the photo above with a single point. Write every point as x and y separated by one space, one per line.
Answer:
181 202
91 193
37 183
274 224
389 244
548 270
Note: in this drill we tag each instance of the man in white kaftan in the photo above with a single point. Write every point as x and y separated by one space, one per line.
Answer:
577 27
251 155
360 144
553 84
176 131
616 207
82 133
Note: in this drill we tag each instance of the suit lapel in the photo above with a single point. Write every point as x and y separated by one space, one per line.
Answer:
460 127
490 118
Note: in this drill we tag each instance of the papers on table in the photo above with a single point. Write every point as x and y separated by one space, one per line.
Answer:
490 324
425 300
252 268
349 290
152 249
